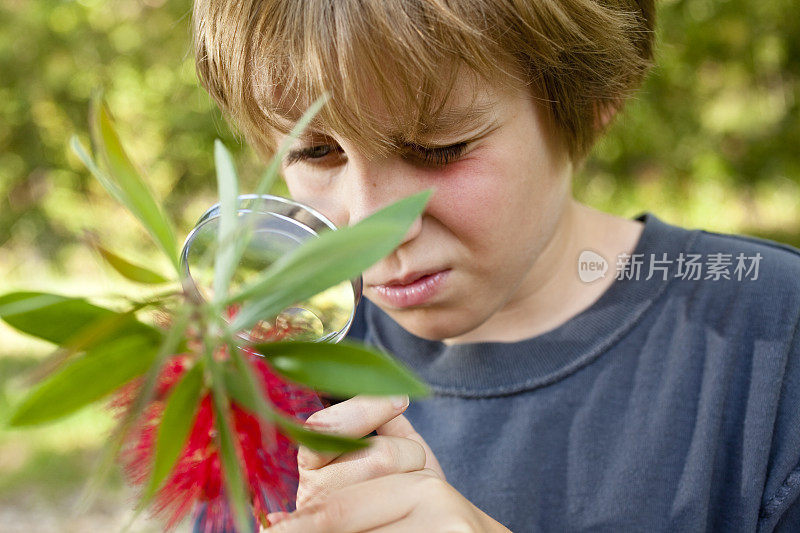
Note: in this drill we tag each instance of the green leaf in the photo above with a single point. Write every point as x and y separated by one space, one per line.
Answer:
236 384
343 369
129 187
237 389
232 236
173 340
231 465
85 380
176 423
271 174
129 270
20 303
61 319
321 442
320 263
227 238
231 469
102 177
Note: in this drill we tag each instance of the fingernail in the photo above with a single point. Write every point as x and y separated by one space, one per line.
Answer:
400 402
320 419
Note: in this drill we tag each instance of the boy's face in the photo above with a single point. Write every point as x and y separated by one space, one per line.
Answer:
497 205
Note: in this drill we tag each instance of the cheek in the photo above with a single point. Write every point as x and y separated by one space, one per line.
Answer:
499 204
473 198
312 193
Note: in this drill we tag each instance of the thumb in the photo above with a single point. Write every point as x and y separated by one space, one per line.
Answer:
276 517
399 426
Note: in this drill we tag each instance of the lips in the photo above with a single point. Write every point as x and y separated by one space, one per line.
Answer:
414 289
408 279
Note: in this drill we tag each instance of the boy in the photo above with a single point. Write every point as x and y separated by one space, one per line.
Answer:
663 396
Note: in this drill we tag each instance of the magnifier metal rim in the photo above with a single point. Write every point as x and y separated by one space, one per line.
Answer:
214 209
212 213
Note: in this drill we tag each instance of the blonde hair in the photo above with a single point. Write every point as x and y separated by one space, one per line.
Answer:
264 61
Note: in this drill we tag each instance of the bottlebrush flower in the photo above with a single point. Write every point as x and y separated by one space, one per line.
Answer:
268 458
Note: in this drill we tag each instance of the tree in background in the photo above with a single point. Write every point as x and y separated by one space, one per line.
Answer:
711 140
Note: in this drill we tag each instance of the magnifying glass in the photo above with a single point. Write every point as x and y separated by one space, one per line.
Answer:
279 226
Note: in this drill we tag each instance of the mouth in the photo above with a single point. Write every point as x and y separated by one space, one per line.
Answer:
412 289
406 280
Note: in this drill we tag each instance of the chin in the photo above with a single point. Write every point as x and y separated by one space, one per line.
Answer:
433 324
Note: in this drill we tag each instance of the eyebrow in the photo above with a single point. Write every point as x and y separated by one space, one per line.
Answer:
464 137
452 122
458 121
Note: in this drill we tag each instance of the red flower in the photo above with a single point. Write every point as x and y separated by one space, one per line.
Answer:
268 458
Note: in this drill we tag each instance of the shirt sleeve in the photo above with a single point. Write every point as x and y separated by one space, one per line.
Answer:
780 511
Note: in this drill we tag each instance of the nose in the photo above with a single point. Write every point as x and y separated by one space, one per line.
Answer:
375 186
413 231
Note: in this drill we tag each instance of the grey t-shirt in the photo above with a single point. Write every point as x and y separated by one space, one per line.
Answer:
670 404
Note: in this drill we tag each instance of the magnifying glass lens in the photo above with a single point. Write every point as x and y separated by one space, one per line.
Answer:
279 226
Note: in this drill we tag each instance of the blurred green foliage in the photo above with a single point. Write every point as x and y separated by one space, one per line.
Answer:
53 56
710 141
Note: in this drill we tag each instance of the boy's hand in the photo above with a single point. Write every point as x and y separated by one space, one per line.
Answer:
413 501
396 449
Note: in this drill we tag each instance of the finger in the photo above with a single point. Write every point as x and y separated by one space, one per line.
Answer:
359 415
407 524
385 455
274 518
399 426
360 507
355 417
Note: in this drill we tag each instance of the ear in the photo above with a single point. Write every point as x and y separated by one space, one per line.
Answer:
604 113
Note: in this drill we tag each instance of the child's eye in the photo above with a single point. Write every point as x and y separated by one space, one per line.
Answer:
432 156
438 156
315 153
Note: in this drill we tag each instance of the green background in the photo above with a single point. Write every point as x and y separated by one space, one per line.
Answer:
711 141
